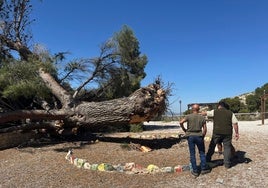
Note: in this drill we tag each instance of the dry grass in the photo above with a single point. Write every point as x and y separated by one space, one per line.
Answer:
45 166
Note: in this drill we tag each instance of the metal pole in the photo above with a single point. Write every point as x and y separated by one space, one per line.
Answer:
262 110
264 104
264 101
180 109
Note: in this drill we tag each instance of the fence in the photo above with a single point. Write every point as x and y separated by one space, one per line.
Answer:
240 116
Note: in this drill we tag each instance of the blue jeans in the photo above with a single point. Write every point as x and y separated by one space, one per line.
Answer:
199 142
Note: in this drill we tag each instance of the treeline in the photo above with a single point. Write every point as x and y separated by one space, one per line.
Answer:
251 104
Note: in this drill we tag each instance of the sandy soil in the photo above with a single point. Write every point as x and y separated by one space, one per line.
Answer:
45 165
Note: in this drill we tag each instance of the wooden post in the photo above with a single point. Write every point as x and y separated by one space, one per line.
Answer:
262 111
263 104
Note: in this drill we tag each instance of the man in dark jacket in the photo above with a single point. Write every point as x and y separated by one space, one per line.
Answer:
224 121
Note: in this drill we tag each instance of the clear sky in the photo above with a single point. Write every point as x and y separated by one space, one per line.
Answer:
209 49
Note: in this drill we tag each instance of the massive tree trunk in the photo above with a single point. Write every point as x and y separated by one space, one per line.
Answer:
142 105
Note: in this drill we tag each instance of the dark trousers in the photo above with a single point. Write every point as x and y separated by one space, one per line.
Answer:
227 145
199 142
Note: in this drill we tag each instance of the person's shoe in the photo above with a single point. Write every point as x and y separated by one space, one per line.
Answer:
195 174
205 171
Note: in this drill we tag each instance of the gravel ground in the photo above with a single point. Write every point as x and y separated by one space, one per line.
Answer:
46 166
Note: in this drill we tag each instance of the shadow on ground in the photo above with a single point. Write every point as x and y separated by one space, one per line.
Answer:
240 157
159 127
87 138
151 143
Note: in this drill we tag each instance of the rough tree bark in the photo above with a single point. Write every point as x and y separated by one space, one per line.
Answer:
142 105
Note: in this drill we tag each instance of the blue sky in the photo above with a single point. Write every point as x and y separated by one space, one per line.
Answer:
209 49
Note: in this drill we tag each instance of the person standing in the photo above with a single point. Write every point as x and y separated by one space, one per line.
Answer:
224 121
195 132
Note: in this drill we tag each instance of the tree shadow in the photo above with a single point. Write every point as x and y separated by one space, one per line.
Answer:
163 143
86 138
159 127
156 143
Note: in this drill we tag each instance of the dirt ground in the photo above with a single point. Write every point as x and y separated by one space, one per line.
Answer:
45 165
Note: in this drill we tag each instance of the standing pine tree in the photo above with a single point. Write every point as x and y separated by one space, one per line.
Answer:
127 75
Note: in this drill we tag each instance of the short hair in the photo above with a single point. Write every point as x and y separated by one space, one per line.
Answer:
224 105
195 107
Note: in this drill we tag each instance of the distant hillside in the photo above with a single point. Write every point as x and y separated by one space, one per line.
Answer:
242 97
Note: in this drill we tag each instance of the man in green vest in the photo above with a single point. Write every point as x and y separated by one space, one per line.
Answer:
224 121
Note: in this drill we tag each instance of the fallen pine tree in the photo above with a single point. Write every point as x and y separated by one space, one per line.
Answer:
61 109
143 105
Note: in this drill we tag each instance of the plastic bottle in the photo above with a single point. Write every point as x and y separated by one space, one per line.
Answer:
168 169
185 168
190 165
178 169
